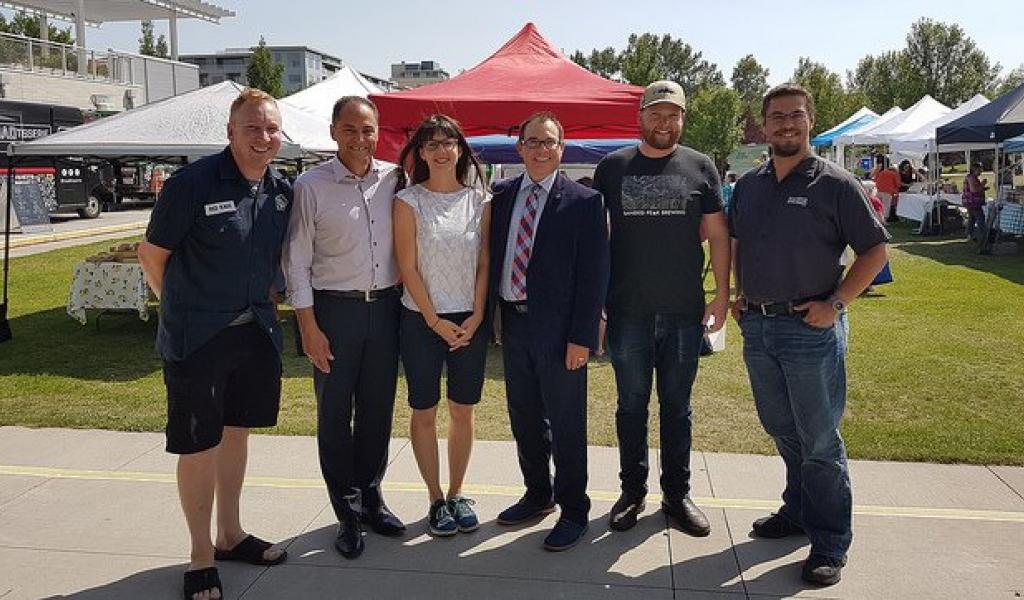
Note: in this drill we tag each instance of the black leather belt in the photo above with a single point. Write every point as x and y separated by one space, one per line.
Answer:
365 295
787 308
516 307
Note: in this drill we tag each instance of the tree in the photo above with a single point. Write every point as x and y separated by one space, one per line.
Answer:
601 62
944 62
831 102
146 45
713 122
1012 80
28 25
263 73
881 81
648 58
161 47
750 80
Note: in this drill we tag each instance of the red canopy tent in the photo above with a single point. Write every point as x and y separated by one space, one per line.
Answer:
526 75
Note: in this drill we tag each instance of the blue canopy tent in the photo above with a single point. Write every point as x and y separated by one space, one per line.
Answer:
501 149
825 139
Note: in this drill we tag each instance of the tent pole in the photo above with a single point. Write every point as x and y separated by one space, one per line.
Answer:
5 324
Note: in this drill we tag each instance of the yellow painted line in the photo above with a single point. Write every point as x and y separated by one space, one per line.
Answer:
45 238
915 512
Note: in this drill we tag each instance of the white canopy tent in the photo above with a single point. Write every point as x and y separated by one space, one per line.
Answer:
319 99
863 112
192 124
840 143
922 140
881 132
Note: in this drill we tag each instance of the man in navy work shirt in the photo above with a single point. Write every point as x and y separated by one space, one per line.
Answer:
791 219
212 255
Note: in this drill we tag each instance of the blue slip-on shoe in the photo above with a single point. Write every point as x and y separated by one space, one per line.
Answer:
565 535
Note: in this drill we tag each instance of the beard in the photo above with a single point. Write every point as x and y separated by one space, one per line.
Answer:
786 149
661 142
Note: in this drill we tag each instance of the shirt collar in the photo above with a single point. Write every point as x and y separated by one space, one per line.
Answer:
342 173
546 184
808 167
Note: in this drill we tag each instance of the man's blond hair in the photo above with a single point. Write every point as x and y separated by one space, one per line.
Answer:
250 95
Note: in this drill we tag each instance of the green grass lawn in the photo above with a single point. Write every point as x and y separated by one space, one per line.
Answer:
934 368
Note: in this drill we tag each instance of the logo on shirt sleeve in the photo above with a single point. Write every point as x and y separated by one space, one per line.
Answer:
219 208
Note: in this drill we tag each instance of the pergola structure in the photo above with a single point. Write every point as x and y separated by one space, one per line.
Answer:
96 12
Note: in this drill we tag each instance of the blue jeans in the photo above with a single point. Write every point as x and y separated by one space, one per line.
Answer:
640 346
798 376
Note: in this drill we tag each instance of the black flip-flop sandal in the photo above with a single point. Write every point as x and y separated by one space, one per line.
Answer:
250 550
202 580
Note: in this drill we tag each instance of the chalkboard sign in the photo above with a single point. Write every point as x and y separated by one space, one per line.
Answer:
27 201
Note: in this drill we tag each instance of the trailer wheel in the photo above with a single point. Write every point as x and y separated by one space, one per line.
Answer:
93 208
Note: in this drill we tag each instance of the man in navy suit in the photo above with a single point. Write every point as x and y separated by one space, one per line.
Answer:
549 276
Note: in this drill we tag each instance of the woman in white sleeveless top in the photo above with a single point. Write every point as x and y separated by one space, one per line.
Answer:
441 228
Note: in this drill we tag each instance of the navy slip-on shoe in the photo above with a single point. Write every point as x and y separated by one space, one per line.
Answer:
524 511
565 535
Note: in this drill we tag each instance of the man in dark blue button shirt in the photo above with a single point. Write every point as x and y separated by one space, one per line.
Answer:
212 255
791 219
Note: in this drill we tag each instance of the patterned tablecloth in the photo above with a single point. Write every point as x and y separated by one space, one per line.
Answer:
108 286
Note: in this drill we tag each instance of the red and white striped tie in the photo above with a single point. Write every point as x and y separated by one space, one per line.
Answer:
524 244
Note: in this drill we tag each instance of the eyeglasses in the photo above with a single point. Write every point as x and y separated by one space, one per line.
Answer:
434 145
535 144
779 118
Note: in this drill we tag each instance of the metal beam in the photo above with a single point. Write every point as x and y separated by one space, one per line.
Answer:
173 25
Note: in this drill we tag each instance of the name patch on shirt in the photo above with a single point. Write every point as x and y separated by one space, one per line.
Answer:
219 208
798 200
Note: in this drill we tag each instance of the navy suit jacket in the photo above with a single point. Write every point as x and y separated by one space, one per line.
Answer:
567 277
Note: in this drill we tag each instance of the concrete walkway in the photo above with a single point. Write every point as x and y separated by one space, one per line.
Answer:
74 231
94 515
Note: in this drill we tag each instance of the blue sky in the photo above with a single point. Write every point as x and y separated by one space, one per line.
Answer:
460 33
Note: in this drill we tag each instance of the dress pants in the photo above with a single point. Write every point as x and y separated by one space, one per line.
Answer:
547 407
356 400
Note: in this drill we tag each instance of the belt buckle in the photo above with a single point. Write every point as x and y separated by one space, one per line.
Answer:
366 295
764 311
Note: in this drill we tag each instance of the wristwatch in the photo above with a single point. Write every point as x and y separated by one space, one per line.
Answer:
837 303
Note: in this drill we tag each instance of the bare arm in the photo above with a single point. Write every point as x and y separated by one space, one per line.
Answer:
154 263
404 219
721 252
483 267
860 275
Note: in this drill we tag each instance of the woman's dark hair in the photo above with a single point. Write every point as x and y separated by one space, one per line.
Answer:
411 162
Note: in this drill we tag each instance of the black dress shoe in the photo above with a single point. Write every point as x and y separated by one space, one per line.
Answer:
687 515
624 512
384 522
350 539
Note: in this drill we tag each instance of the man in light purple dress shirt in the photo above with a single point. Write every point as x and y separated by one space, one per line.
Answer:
343 283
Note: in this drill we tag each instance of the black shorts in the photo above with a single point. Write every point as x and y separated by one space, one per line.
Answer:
234 379
425 354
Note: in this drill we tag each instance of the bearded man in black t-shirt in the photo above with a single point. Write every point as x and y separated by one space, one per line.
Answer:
660 197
